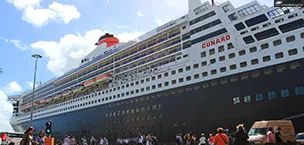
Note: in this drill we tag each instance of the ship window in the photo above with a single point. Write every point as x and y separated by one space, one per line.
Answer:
147 79
290 38
279 55
302 35
271 95
223 69
253 49
196 76
277 42
173 72
127 93
180 70
203 54
212 61
205 74
242 52
147 88
118 88
180 80
188 68
266 34
254 61
284 93
247 99
137 91
231 55
255 28
159 76
221 48
292 25
236 100
281 68
166 83
243 64
267 24
204 63
213 72
201 18
226 8
142 89
153 86
159 85
256 20
195 65
232 16
188 78
206 26
222 58
210 35
232 67
295 65
173 82
127 86
293 51
259 97
211 51
299 91
137 82
268 71
142 81
230 46
153 78
248 39
265 46
266 58
239 26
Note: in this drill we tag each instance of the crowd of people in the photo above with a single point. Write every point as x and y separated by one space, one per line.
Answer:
240 137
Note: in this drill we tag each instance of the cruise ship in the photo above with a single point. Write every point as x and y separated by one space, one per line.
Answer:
216 66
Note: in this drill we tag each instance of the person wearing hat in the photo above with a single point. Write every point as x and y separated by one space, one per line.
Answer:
28 137
202 140
221 138
241 137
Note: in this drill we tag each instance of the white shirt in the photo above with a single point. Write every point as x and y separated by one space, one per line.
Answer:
202 140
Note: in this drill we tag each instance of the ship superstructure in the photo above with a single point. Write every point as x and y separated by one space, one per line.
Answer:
221 64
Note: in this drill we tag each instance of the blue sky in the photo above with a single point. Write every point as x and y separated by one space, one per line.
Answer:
64 31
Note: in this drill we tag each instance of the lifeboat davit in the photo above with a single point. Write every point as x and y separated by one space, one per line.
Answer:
109 39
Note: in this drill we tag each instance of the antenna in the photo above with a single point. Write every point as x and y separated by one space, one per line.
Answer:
213 3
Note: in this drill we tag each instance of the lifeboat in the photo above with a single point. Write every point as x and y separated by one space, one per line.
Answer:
42 100
78 88
58 95
109 39
66 92
89 82
103 77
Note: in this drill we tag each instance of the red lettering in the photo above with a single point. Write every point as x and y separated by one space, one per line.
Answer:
228 37
204 45
216 41
213 42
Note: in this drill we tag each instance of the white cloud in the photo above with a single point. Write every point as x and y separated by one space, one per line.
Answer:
34 14
4 39
30 84
18 44
6 111
107 2
140 13
67 53
121 27
12 87
172 2
159 21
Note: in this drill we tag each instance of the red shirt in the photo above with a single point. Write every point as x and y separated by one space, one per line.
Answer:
221 139
270 137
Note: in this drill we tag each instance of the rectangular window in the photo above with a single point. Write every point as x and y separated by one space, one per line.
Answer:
265 46
204 63
290 38
181 80
196 76
195 65
188 68
293 52
239 26
210 35
205 74
211 51
203 17
223 69
206 26
292 25
203 54
243 64
212 61
248 39
222 58
213 72
231 55
254 61
173 72
173 82
180 70
242 52
266 58
221 48
230 46
279 55
266 34
277 42
256 20
253 49
232 67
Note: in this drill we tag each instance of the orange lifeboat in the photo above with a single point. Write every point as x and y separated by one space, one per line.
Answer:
89 82
109 39
103 77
